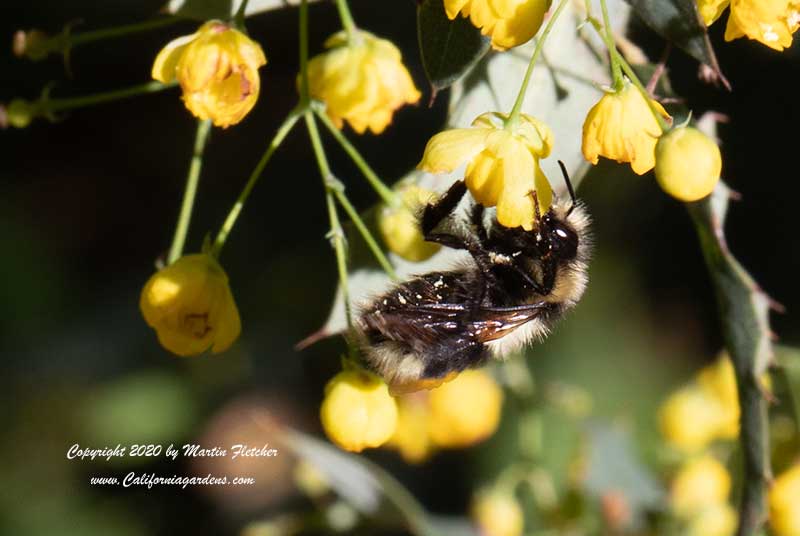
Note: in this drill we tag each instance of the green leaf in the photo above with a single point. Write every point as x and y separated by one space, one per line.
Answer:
744 313
449 48
361 482
679 22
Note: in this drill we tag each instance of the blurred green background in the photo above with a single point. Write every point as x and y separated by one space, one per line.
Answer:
88 204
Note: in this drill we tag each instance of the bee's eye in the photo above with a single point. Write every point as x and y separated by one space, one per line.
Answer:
564 241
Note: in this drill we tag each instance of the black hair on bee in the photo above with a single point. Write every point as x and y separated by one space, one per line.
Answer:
517 285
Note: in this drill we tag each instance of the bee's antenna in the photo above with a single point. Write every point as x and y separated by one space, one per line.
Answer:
537 215
569 186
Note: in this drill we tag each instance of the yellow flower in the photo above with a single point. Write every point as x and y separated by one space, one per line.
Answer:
362 82
711 10
503 169
217 68
688 164
498 513
399 225
621 126
358 412
690 419
411 437
771 22
190 305
465 410
700 483
784 503
714 520
509 23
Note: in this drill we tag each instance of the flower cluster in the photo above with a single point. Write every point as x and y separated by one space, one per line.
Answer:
361 80
497 513
217 68
502 157
770 22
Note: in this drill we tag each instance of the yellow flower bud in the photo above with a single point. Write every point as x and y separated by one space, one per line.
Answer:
465 410
399 225
190 305
411 437
718 519
358 412
700 483
498 513
688 164
19 113
503 164
362 82
621 127
509 23
217 68
784 503
771 22
690 419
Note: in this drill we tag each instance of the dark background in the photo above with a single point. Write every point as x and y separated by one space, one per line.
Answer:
88 203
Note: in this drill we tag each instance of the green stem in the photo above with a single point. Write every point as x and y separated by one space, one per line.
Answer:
347 20
352 213
616 72
59 105
336 233
97 35
185 216
515 111
230 221
385 193
238 19
304 97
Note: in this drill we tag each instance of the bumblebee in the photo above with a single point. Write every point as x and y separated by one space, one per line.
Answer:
516 286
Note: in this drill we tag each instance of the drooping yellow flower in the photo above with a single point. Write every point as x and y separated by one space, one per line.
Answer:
509 23
621 127
358 412
711 10
465 410
190 305
784 503
498 513
362 81
700 483
503 164
688 164
399 225
771 22
690 419
411 438
217 68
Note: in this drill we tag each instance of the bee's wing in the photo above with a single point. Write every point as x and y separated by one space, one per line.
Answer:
427 324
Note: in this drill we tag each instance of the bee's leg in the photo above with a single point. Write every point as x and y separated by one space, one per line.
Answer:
435 213
476 217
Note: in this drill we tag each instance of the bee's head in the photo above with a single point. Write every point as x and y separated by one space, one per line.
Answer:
557 237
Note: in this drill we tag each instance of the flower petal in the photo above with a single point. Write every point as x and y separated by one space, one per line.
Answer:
449 149
166 62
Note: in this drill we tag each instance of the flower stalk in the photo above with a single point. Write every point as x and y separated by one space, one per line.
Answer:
336 233
513 116
233 215
185 215
347 20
